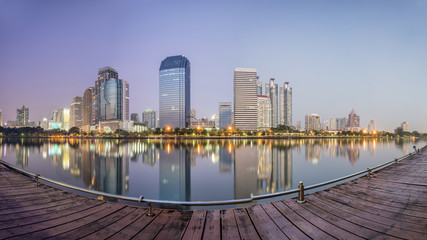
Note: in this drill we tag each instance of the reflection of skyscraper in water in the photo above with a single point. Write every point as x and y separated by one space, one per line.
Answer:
149 154
87 163
22 155
175 174
312 153
353 153
224 160
285 168
264 169
245 171
112 169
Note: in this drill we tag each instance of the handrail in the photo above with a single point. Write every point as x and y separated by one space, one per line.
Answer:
141 199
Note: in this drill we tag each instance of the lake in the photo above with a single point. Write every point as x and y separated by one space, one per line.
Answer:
199 169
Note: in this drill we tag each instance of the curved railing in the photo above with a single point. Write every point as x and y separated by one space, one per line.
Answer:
300 190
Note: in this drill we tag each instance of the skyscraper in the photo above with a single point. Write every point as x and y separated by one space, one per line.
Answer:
22 116
149 117
372 126
353 120
264 112
405 126
76 112
104 74
272 92
245 99
312 122
224 115
286 105
174 92
88 102
114 98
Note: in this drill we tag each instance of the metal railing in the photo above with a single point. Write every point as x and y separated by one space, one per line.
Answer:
300 190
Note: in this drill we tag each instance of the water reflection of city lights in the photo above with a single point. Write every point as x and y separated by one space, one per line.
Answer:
168 148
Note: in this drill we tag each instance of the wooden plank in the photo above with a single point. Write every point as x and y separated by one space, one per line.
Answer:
283 223
176 226
245 225
212 225
228 225
196 225
265 227
154 227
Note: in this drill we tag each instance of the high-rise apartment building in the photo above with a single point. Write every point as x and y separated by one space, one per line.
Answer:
245 99
353 120
174 92
134 117
264 112
372 126
22 116
272 91
286 105
149 117
114 98
259 88
333 124
312 122
405 126
224 115
104 74
60 119
76 112
87 113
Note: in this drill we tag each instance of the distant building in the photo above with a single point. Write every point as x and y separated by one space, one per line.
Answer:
174 92
60 119
104 74
202 123
372 126
272 91
215 118
149 117
312 122
134 117
114 100
225 115
45 124
259 88
245 99
326 125
353 120
88 118
405 126
22 116
286 105
76 112
341 123
264 112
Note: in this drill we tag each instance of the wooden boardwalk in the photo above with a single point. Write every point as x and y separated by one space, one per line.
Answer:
390 205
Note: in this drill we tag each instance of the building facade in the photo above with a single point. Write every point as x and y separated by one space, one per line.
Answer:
149 117
272 91
286 105
76 112
372 126
264 112
134 117
104 74
353 120
245 99
224 115
114 100
405 126
22 116
174 92
312 122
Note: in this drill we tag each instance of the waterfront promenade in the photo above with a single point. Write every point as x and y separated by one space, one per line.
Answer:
392 204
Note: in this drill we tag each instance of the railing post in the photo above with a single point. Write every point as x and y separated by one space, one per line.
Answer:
395 160
150 210
301 193
37 179
369 173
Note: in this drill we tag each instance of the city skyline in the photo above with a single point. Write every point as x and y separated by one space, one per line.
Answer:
338 56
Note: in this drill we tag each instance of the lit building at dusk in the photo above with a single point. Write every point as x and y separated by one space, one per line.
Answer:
149 118
264 112
22 117
114 100
224 115
286 105
272 91
245 99
76 112
87 111
174 92
104 74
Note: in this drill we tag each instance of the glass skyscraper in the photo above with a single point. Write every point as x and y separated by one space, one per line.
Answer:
114 100
174 92
224 115
104 74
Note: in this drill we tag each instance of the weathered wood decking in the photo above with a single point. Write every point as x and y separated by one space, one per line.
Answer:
390 205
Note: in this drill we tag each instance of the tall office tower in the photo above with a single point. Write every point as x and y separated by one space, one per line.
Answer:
286 105
245 99
22 116
88 99
333 124
264 112
341 123
272 91
224 115
114 100
76 112
353 120
372 126
174 92
134 117
149 117
312 122
104 74
405 126
259 88
1 120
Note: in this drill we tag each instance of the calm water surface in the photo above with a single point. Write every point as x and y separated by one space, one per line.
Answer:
194 170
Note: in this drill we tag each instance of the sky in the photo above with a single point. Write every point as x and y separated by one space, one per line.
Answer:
367 55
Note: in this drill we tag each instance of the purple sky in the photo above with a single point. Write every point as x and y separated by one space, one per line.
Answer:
337 55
